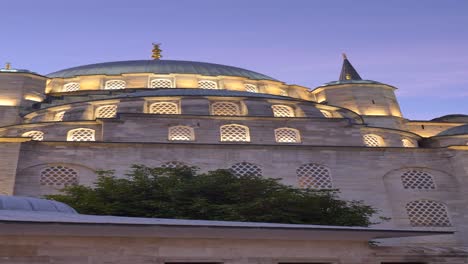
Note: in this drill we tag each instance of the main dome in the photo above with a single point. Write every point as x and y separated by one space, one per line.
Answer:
159 67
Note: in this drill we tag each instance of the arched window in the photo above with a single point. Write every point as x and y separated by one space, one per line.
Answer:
417 180
407 143
427 213
246 168
235 133
166 108
181 133
106 111
314 176
225 109
81 134
173 165
371 140
326 113
161 83
59 116
71 87
287 135
34 135
59 176
282 111
251 88
206 84
114 85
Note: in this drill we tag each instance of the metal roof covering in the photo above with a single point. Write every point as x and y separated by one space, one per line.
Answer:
20 203
452 118
159 67
459 130
348 72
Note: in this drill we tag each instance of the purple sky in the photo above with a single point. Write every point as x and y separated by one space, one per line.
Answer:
421 47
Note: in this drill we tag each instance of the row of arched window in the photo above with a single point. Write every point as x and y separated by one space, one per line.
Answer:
314 176
160 83
371 140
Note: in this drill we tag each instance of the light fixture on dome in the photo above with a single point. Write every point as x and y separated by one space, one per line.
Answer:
156 51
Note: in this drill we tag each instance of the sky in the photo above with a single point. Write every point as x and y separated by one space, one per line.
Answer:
421 47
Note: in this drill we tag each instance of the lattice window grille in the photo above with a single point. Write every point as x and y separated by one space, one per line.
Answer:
106 111
427 213
246 168
161 83
314 176
173 165
282 111
407 143
34 135
59 116
205 84
225 109
287 135
417 180
372 140
166 108
251 88
235 133
114 85
181 133
81 134
326 113
71 87
59 176
283 92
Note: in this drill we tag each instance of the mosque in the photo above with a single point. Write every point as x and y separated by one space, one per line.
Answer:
58 129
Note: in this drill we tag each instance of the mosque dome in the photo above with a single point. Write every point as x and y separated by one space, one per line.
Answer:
159 67
459 130
20 203
452 118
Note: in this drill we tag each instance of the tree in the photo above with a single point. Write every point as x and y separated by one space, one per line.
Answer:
184 193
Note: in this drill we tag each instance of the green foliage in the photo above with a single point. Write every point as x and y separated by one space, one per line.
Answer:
216 195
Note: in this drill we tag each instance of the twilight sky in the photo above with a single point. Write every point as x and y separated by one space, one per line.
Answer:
421 47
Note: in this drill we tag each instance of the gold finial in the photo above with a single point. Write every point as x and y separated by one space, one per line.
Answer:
156 51
344 56
7 66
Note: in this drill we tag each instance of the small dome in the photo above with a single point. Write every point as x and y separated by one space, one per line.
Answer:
19 203
459 130
457 118
159 67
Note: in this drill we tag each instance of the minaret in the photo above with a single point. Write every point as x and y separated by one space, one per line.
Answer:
374 101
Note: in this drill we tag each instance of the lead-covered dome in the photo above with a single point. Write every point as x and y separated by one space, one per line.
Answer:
159 67
20 203
459 130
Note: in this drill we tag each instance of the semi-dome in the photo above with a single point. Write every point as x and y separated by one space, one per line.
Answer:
20 203
459 130
452 118
159 67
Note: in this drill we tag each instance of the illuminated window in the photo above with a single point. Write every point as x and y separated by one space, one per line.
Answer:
174 165
246 168
287 135
407 143
283 92
114 85
71 87
251 88
34 135
427 213
235 133
166 108
326 113
106 111
417 180
181 133
282 111
314 176
81 134
371 140
206 84
59 176
59 116
225 108
161 83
